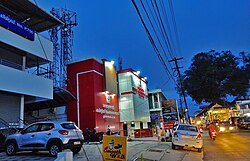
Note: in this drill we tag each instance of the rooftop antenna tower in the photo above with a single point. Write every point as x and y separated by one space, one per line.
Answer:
62 39
120 63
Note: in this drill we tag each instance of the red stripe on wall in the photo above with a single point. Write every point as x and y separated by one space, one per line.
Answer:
125 93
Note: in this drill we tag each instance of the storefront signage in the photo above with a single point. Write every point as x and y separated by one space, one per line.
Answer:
140 91
108 106
107 114
114 148
15 26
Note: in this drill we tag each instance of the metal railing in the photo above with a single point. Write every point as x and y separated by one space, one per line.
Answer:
10 64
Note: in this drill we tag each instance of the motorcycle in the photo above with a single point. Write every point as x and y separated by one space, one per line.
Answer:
93 136
213 134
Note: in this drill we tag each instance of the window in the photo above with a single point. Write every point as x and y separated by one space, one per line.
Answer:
46 127
68 126
188 128
32 128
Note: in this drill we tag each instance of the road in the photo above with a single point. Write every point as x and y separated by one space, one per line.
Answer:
227 147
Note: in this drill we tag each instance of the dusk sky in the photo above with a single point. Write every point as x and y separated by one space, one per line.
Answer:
111 28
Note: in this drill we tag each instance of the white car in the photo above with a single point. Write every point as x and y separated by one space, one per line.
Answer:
187 135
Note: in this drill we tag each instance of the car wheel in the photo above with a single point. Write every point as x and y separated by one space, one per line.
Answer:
173 146
10 148
76 150
54 149
199 149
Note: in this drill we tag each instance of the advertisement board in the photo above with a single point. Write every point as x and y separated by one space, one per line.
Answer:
114 148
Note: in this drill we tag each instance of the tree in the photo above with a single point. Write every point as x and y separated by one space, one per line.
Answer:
214 76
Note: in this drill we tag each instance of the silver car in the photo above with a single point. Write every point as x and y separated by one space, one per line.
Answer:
50 135
187 135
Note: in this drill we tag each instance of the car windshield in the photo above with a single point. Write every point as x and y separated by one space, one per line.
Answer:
188 128
68 126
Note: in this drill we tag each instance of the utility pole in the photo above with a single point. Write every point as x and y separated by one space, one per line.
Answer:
182 89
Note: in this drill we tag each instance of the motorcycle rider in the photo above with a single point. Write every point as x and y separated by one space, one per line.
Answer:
211 128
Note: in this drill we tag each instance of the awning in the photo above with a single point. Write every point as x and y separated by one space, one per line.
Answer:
30 14
60 98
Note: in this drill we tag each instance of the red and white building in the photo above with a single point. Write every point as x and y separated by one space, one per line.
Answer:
94 84
133 101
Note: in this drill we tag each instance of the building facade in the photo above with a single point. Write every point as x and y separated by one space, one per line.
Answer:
133 101
22 52
155 98
94 84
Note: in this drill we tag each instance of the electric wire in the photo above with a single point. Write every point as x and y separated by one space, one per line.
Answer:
153 43
154 29
165 33
150 11
165 17
175 26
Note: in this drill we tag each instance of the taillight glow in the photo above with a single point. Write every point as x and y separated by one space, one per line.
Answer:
63 132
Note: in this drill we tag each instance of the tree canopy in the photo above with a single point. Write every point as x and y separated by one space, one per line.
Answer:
214 76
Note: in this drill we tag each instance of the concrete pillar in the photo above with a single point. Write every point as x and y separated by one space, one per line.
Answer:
21 116
153 100
24 63
158 97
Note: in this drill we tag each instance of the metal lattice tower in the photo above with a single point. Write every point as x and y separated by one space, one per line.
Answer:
62 39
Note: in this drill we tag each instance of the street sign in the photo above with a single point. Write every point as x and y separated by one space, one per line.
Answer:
114 148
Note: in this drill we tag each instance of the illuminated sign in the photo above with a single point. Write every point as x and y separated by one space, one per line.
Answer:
140 91
15 26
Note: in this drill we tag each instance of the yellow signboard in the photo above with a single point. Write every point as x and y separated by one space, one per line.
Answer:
114 148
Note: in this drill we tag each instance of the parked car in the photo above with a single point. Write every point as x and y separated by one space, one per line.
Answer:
43 136
187 135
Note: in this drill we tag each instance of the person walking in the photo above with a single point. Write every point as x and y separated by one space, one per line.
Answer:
108 131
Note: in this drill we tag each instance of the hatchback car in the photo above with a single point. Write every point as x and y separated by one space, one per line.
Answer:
187 135
50 135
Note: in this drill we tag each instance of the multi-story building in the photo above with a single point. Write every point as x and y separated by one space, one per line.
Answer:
133 101
155 98
23 50
94 84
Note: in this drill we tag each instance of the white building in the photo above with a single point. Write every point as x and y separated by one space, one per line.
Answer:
133 101
155 98
22 50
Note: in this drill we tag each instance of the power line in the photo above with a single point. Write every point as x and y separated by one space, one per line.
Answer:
152 42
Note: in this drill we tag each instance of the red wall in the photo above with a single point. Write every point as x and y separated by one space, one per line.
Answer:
91 96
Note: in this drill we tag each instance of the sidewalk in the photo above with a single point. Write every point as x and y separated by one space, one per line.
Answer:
154 138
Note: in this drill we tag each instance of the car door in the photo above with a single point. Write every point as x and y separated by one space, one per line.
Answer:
43 134
27 138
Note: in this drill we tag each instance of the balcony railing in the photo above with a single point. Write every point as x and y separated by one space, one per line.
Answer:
10 64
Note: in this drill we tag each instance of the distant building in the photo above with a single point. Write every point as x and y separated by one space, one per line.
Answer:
22 52
155 98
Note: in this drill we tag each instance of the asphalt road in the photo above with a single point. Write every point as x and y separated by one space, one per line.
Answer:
227 147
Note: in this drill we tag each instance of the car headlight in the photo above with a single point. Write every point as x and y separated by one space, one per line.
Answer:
222 129
231 128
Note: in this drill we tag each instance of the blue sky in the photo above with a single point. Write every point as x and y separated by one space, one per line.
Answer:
112 28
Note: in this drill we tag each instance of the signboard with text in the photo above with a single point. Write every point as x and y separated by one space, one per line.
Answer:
15 26
114 148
